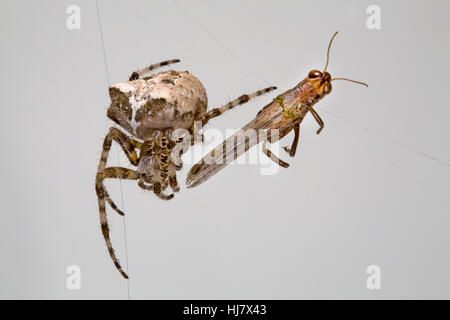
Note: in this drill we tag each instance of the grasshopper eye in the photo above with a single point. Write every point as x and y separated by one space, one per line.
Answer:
313 74
327 88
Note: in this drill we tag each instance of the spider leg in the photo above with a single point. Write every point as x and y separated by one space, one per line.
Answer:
230 105
137 74
166 172
128 146
173 178
273 157
157 191
176 159
157 185
179 146
293 148
111 172
198 137
195 135
159 179
143 185
156 188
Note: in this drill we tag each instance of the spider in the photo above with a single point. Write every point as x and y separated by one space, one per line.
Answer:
151 109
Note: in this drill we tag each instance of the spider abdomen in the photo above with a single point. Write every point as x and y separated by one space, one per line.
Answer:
167 100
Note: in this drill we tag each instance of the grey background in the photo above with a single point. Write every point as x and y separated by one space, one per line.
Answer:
350 199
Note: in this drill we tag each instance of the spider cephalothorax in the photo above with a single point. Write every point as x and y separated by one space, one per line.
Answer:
152 109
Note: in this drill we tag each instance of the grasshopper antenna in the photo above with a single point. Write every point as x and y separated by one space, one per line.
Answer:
359 82
328 51
328 60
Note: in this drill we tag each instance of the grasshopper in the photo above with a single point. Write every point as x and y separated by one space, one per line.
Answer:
275 120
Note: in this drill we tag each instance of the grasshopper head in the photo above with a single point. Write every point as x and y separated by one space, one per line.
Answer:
321 81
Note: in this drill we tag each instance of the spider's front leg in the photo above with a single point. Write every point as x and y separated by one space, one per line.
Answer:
137 74
230 105
118 173
128 146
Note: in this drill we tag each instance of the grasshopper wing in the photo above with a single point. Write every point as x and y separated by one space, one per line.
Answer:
258 130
